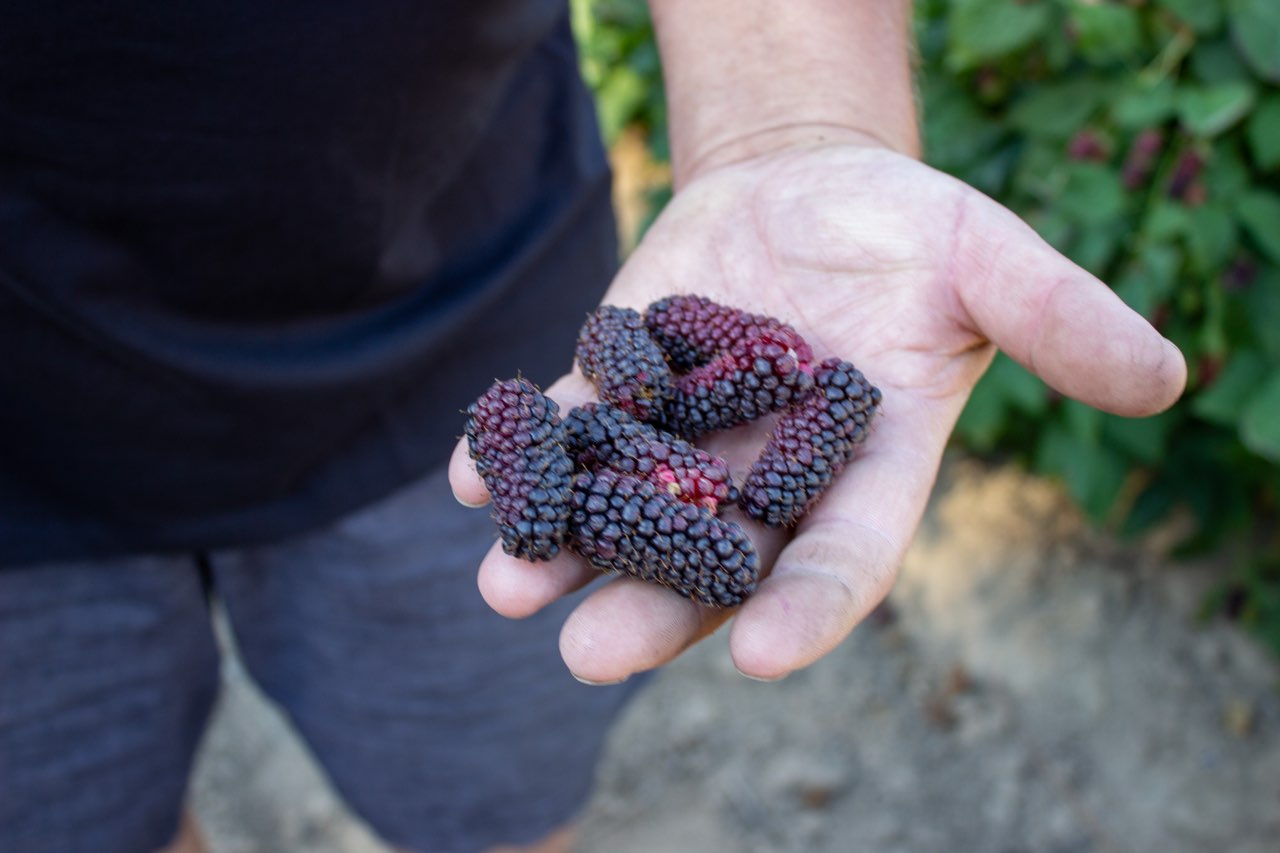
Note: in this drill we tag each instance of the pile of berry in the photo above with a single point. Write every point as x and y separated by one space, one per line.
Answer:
620 483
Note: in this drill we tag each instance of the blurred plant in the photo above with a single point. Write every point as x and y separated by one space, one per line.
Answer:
1142 139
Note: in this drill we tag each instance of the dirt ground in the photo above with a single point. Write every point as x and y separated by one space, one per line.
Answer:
1029 686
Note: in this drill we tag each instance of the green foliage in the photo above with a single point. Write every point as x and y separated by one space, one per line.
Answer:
620 62
1142 139
1146 140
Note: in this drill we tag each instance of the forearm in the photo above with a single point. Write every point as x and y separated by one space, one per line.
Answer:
748 76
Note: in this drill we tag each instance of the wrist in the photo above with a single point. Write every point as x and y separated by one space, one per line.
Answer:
746 77
783 137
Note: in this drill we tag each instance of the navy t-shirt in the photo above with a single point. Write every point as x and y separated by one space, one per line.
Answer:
256 257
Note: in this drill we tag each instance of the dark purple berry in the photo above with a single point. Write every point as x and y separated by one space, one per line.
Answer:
627 367
810 445
598 435
513 433
623 524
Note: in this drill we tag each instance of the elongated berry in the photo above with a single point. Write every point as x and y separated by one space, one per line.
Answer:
693 330
624 524
513 434
627 367
599 435
758 376
809 445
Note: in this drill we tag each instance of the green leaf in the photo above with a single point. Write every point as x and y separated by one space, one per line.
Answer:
1106 32
1151 506
982 419
957 132
1142 104
1255 28
1093 194
1165 220
1209 110
1085 422
1263 133
620 96
1143 439
1227 172
1262 305
1259 213
1211 237
1057 110
1224 399
1095 248
983 30
1260 421
1148 281
1203 16
1007 387
1093 474
1218 61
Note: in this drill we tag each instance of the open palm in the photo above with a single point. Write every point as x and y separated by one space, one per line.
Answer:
916 279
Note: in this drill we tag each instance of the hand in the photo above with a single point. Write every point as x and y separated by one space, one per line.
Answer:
916 279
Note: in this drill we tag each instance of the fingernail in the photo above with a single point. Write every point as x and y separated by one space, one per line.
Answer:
591 683
767 679
468 504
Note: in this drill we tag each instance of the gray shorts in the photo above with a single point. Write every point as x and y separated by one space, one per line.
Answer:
445 726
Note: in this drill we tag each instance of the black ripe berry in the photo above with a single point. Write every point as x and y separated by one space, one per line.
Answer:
628 369
513 435
624 524
810 444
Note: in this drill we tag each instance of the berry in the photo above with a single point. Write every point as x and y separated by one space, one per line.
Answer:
735 366
810 445
620 484
627 367
693 330
758 376
598 435
513 434
621 523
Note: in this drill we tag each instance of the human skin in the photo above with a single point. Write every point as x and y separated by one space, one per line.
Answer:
799 195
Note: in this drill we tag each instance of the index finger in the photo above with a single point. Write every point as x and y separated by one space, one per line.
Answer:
568 391
846 551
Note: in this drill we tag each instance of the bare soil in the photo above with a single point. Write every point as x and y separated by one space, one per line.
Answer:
1030 685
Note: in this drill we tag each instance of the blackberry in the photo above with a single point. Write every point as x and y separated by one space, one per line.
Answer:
628 369
735 366
513 433
621 523
693 330
758 376
598 435
810 445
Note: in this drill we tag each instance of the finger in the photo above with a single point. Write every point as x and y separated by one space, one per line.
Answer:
847 550
632 626
468 488
514 587
518 588
1056 319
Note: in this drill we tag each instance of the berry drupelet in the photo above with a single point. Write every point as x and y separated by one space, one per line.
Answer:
809 445
624 524
513 434
628 369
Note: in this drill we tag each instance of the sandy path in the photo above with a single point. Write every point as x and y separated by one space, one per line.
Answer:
1030 687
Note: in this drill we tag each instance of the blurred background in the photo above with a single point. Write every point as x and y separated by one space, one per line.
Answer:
1083 652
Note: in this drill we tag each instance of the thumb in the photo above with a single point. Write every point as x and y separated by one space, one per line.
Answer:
1056 319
